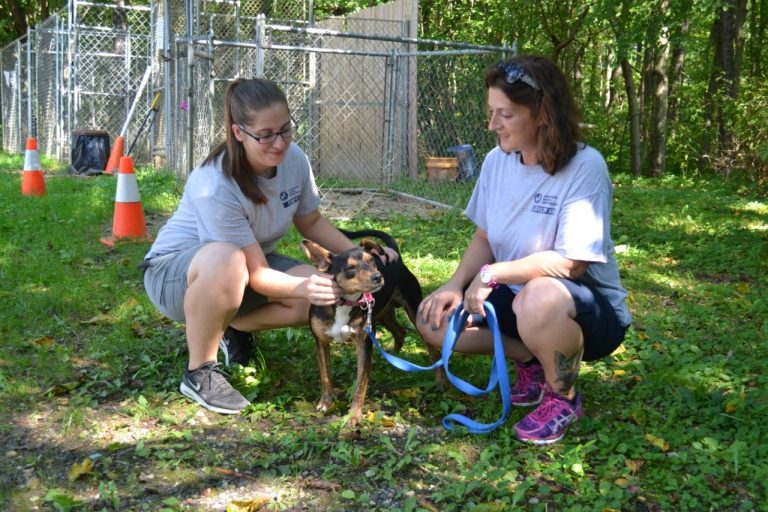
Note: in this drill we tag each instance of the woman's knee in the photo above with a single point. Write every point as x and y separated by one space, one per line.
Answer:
219 268
543 300
430 336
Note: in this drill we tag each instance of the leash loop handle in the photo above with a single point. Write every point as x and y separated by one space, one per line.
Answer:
499 376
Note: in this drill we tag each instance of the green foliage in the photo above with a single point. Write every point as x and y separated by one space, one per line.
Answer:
324 8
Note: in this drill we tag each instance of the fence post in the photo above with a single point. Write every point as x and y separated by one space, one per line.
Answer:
190 93
260 37
19 110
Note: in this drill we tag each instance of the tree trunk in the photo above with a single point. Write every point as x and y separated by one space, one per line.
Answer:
645 95
19 18
635 148
758 16
676 72
120 22
726 36
678 58
658 143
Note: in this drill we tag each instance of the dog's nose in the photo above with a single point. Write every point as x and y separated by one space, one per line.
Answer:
377 277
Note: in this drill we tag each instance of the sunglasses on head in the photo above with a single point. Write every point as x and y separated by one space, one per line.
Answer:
512 72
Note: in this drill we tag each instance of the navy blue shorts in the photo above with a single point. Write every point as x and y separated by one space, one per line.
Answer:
601 328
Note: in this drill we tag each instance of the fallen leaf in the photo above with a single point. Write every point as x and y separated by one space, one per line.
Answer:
324 485
619 373
247 505
657 442
407 393
743 288
43 342
101 318
731 405
77 470
489 507
637 416
425 504
621 482
634 465
62 389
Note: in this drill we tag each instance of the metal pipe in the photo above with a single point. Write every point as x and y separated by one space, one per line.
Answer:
190 92
30 129
336 51
139 91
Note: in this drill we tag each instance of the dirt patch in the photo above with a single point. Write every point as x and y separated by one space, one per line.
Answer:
346 205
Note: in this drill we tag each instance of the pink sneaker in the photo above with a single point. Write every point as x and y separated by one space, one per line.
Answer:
529 388
547 423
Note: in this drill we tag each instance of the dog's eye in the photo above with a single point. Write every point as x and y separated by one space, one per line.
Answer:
350 273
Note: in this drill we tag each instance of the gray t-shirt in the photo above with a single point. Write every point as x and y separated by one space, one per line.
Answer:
213 209
525 210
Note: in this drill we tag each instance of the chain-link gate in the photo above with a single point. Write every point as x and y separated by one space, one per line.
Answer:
372 105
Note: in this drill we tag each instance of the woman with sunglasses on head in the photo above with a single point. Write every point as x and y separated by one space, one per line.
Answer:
541 253
213 265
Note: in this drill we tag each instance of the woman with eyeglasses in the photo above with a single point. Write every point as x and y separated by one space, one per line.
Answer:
213 265
541 253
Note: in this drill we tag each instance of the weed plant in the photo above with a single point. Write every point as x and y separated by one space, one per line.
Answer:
89 373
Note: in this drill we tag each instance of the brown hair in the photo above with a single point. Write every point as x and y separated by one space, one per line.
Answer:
244 99
552 106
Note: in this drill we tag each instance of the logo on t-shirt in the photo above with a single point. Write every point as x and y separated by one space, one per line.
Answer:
545 204
290 196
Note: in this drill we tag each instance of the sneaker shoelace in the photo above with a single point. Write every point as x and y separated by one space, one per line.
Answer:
526 376
214 378
549 407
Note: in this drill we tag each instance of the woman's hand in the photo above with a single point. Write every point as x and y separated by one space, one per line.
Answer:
475 296
388 256
438 305
322 290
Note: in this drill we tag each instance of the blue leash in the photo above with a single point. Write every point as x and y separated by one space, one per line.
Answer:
498 375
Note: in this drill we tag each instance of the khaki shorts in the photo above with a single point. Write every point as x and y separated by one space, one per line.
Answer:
165 279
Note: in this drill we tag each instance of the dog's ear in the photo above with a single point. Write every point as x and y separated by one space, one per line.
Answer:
317 254
371 247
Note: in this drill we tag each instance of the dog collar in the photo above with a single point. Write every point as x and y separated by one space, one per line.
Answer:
364 300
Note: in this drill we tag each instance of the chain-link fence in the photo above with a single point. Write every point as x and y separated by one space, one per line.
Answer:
78 70
374 107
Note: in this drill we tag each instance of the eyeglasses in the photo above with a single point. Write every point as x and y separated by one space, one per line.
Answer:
286 134
513 72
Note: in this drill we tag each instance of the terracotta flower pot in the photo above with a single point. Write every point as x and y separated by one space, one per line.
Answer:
441 169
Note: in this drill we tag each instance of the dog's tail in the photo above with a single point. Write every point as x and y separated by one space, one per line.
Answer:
381 235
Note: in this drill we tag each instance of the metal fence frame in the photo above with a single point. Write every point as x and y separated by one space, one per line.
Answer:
372 104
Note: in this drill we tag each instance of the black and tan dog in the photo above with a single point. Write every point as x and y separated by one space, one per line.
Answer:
372 293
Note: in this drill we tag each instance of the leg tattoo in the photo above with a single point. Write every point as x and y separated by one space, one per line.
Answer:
567 369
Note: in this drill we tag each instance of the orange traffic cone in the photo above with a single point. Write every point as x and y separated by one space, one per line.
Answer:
32 180
128 222
113 163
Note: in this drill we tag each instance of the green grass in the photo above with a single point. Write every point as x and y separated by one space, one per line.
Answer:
89 372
